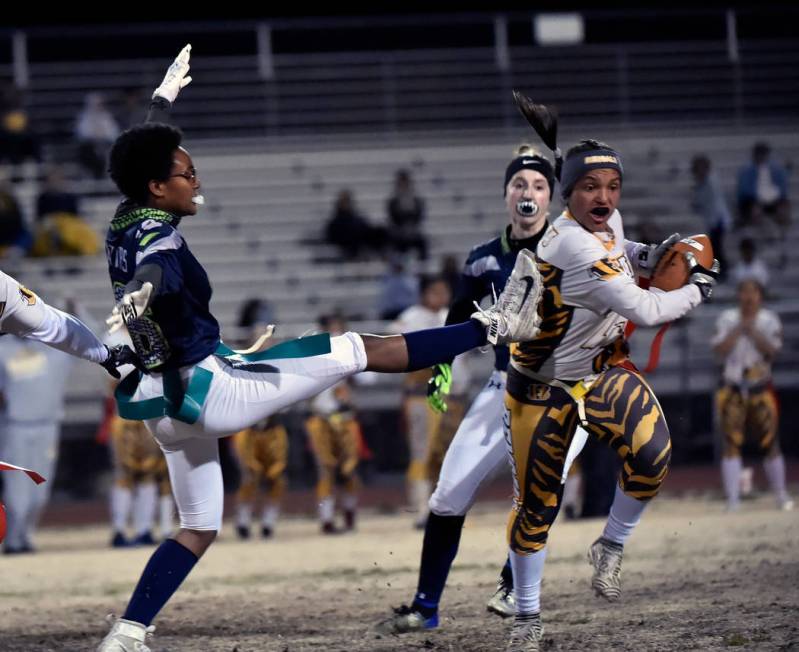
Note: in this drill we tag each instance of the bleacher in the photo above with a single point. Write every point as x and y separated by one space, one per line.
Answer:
259 235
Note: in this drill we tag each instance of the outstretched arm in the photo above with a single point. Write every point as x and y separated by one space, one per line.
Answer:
167 92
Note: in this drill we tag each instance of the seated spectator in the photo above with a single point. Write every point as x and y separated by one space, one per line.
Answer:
15 239
60 230
707 201
406 212
255 316
399 290
749 266
351 231
95 130
130 112
18 143
763 188
55 198
763 191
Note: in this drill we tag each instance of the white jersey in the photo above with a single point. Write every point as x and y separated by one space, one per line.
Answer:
590 292
24 314
744 364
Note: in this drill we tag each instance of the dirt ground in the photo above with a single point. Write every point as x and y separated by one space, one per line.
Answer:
694 578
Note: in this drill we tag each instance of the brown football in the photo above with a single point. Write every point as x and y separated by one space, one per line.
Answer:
672 270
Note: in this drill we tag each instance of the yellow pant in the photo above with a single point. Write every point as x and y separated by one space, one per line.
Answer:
752 415
137 458
334 441
262 453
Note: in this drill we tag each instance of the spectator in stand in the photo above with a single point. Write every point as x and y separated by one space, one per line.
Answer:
60 230
399 290
707 201
15 239
406 212
95 130
749 266
351 231
763 191
17 142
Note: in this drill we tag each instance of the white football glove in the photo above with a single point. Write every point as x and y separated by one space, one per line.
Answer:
175 78
650 255
129 308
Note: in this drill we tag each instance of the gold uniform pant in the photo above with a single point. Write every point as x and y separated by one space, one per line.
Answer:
753 415
334 441
137 458
262 454
539 424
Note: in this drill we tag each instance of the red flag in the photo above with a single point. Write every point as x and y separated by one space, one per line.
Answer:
5 466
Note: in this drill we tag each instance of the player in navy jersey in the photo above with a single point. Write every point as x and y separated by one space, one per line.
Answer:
478 451
198 389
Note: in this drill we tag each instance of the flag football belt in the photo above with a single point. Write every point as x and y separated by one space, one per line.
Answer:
576 390
186 403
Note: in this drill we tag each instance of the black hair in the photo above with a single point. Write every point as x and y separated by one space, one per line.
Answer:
142 154
426 280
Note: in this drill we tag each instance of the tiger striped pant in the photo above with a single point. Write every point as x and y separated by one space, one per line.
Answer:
539 424
752 415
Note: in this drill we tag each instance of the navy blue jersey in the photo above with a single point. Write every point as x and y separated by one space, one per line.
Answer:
178 328
490 263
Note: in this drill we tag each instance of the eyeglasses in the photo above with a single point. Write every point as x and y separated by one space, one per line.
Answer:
189 175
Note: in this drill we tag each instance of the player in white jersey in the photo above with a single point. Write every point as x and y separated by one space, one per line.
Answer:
478 451
747 339
25 314
576 371
422 422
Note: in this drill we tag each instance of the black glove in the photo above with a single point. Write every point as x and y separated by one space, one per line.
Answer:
702 277
120 355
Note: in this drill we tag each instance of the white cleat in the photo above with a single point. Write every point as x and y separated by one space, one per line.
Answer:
526 634
606 557
514 317
125 636
502 602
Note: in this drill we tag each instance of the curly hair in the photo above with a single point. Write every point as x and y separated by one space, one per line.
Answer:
141 154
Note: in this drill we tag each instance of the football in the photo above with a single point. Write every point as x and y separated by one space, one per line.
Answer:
671 272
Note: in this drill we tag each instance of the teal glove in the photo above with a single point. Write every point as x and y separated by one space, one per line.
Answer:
439 386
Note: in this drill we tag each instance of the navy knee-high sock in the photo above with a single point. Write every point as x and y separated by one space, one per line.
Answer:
442 534
507 573
167 568
438 345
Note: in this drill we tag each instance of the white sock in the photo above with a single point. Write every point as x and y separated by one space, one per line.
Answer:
121 500
270 514
527 573
420 497
243 514
350 501
144 505
625 512
731 478
326 507
775 472
166 515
